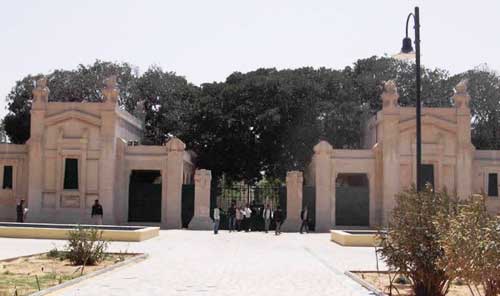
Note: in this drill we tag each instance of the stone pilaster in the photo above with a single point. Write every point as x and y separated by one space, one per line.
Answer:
465 149
107 159
35 144
201 219
390 148
294 184
323 183
172 179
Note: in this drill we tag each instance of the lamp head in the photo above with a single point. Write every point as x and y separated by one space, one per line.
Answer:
407 47
407 53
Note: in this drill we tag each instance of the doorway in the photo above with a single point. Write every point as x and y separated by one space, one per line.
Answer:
352 200
144 196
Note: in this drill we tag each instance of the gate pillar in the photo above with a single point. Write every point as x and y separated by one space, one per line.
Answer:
323 183
172 185
201 219
294 181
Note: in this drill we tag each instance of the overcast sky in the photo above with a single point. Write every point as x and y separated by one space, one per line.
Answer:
207 40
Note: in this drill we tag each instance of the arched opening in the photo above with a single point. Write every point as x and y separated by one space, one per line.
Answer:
352 200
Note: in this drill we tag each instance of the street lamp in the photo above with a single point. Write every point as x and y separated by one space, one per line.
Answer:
407 52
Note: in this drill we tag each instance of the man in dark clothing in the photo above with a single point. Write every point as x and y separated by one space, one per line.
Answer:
97 213
278 219
20 211
304 216
232 216
253 216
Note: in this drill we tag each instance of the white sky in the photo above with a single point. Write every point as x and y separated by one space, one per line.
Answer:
207 40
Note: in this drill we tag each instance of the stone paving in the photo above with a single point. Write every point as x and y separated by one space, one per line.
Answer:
199 263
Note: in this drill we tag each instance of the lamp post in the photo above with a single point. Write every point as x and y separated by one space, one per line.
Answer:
406 51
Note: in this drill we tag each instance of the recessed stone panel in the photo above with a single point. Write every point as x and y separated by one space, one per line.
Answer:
48 200
70 201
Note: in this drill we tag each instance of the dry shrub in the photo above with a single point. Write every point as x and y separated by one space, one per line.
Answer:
86 246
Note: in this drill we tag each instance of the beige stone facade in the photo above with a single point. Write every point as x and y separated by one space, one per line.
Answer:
97 137
388 159
101 141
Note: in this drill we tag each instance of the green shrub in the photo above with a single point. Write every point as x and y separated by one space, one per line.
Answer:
85 246
471 241
412 244
54 253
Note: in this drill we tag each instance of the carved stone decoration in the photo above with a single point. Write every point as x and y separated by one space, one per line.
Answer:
202 178
139 111
41 92
175 144
390 95
461 96
110 91
323 147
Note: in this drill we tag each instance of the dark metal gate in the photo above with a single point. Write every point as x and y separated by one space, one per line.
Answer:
352 200
428 175
257 197
187 211
144 196
309 201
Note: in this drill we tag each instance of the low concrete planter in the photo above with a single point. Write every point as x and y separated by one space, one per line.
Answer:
364 283
61 231
90 275
355 238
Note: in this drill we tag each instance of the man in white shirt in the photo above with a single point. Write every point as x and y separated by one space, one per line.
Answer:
267 214
216 219
247 213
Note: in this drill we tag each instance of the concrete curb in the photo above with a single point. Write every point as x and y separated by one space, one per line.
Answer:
364 283
77 280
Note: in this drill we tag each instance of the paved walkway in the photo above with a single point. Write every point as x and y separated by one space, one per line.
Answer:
199 263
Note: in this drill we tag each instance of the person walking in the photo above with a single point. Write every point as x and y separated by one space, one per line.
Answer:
21 211
217 213
267 214
97 213
239 217
232 216
247 214
278 219
304 216
254 216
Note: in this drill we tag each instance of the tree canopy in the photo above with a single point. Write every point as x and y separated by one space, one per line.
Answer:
263 122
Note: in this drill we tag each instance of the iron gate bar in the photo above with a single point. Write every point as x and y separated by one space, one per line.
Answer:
242 194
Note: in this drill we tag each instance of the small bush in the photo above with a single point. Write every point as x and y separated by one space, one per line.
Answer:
471 241
54 253
85 246
412 244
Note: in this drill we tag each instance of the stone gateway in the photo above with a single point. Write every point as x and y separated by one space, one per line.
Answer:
80 152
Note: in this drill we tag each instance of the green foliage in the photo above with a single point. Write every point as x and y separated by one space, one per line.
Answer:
85 246
82 84
412 245
267 119
54 253
471 242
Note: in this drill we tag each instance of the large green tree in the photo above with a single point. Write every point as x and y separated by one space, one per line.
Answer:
168 103
266 120
82 84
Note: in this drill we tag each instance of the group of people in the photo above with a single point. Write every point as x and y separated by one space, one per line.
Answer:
246 218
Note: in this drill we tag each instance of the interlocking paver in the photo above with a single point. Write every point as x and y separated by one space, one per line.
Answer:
200 263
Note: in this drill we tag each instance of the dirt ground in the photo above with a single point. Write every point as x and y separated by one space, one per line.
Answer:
381 282
22 273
